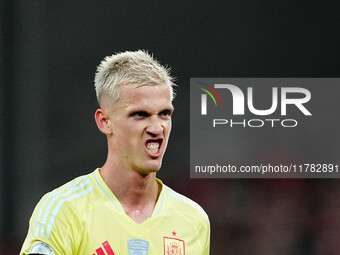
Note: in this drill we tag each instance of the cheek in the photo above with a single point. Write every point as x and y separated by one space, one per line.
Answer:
128 135
168 128
121 133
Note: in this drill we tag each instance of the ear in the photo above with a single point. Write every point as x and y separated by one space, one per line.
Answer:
103 122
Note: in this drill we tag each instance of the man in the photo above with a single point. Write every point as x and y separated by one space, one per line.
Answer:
122 208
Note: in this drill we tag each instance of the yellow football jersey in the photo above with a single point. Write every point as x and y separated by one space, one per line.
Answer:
84 217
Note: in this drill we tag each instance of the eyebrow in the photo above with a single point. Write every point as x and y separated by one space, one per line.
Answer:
170 109
143 110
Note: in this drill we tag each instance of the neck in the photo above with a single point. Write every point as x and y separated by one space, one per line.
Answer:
137 192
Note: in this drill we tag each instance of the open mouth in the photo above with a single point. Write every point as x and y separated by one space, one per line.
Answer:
154 145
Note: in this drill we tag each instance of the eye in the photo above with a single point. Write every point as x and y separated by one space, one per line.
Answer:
139 115
166 113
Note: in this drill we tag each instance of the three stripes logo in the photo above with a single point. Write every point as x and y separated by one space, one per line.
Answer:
204 97
107 248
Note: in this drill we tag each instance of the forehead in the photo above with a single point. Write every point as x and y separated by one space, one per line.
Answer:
147 96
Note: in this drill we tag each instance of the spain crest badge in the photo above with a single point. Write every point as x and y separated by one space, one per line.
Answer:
173 246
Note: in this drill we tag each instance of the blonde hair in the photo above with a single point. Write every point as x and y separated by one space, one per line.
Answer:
136 67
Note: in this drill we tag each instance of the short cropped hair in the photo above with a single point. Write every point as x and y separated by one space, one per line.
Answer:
136 67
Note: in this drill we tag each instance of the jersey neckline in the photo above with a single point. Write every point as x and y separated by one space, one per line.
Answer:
117 205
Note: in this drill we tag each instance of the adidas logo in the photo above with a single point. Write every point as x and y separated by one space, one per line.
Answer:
107 248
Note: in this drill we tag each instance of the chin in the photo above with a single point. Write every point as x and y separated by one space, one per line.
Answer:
150 168
153 169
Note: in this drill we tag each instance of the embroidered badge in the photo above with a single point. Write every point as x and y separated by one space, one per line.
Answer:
41 248
138 247
173 246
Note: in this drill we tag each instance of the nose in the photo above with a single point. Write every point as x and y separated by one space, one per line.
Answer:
155 127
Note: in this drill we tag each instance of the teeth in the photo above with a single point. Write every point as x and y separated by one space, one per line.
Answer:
153 147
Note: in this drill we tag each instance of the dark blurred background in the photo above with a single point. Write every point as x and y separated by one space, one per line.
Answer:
49 53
